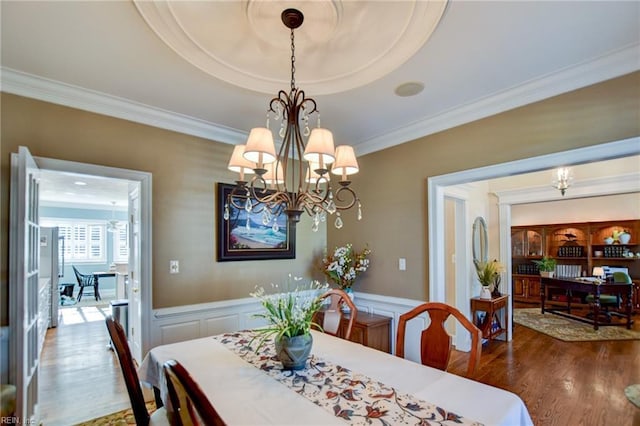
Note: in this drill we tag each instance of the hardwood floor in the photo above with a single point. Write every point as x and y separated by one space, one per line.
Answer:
80 378
561 383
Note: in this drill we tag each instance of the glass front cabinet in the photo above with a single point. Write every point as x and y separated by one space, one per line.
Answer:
577 249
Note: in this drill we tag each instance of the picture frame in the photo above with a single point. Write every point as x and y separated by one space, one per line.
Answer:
238 242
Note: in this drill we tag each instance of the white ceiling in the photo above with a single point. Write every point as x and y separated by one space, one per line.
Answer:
62 189
483 57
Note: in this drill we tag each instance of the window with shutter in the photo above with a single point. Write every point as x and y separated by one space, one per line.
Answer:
84 241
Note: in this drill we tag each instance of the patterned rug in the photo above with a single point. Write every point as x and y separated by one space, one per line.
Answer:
569 330
633 394
119 418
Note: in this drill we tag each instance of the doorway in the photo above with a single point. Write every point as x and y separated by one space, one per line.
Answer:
92 359
440 186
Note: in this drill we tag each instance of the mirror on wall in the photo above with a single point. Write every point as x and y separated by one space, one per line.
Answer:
480 241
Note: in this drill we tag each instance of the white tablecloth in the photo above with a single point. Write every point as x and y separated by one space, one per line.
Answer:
244 395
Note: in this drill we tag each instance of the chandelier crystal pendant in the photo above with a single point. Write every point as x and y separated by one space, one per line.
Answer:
562 179
296 180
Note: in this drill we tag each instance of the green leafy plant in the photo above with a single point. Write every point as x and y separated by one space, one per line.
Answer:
546 264
489 272
289 313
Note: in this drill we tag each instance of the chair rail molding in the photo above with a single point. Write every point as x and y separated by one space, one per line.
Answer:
176 324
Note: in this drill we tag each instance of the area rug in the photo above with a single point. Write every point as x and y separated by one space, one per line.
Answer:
569 330
119 418
633 394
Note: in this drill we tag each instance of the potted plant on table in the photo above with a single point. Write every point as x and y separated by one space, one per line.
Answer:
489 277
546 266
289 317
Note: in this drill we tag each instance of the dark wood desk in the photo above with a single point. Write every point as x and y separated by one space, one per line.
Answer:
370 330
587 287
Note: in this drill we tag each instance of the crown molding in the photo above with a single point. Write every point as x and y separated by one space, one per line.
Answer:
614 64
609 66
32 86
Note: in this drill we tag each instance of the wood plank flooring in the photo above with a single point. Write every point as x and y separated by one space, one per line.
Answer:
562 383
80 378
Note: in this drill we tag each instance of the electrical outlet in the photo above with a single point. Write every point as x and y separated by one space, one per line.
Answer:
174 267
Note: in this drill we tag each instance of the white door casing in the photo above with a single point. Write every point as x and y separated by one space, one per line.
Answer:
24 254
143 182
134 288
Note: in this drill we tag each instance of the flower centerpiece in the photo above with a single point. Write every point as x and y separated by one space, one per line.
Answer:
489 276
289 317
344 265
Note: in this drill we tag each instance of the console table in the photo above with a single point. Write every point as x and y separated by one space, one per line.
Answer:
371 330
491 325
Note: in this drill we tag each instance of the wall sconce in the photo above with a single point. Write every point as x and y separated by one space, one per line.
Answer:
562 179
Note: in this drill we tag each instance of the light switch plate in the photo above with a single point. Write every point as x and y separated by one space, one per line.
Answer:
174 267
402 264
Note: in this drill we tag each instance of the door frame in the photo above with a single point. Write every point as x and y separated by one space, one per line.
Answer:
146 263
437 187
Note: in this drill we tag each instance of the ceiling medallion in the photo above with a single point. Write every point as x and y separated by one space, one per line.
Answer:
346 44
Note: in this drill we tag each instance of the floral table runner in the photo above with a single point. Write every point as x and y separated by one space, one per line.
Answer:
351 396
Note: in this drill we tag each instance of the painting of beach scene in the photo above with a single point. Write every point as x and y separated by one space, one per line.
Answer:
251 235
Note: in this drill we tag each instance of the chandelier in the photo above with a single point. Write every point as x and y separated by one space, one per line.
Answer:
297 179
562 179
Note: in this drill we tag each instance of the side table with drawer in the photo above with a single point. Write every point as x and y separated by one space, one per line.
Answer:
371 330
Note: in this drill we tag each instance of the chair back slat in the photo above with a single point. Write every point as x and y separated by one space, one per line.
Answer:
435 341
333 313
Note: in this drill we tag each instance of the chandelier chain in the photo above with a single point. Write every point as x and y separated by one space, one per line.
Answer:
293 62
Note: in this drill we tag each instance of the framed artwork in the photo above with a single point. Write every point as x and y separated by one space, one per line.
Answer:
245 237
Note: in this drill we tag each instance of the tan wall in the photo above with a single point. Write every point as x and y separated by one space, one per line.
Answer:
185 170
392 183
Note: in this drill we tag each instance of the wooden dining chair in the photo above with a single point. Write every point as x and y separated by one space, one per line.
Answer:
332 315
435 341
138 405
189 404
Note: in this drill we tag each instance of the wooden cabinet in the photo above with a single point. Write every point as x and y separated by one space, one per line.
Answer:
526 288
577 248
370 330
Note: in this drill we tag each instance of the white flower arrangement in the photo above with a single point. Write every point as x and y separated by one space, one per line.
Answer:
344 265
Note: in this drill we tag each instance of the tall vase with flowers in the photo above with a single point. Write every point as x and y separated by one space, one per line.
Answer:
489 276
289 317
344 265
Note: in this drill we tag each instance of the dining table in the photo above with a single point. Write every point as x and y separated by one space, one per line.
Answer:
342 383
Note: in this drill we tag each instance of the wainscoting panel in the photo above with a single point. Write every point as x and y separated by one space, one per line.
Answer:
176 324
178 332
213 326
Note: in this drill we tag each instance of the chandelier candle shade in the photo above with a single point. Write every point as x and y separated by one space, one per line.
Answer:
296 180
